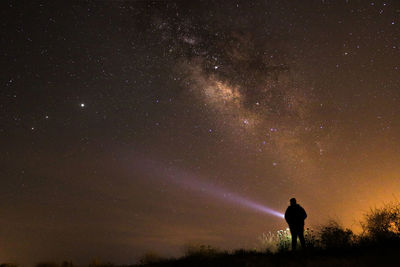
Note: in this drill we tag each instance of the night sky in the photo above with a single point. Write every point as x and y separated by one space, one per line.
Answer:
125 126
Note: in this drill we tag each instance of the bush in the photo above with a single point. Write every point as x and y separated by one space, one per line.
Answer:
333 236
383 223
149 258
267 242
311 239
201 250
284 240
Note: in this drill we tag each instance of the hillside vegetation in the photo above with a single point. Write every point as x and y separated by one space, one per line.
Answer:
329 245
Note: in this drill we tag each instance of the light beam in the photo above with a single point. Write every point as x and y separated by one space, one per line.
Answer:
194 183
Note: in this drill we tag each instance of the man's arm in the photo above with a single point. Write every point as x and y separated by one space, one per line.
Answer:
304 213
287 215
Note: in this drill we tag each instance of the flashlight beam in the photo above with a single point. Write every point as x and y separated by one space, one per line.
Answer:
219 193
194 183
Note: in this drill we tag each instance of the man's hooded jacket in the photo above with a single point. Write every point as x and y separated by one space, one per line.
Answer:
295 215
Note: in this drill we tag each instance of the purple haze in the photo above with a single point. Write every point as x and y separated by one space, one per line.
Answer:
190 181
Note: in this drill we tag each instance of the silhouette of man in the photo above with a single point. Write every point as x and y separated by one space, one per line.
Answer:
295 216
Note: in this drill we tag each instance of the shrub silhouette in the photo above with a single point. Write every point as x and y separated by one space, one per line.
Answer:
311 238
150 258
333 236
201 250
382 224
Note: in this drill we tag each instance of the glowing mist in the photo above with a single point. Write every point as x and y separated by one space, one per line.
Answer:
222 194
190 181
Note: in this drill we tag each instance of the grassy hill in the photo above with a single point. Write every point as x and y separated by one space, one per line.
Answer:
372 256
331 245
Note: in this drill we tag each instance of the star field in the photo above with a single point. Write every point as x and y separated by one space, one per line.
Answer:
104 105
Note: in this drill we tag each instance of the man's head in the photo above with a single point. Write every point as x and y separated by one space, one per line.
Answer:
293 201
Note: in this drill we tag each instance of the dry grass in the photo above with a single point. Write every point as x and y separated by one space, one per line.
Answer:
330 245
